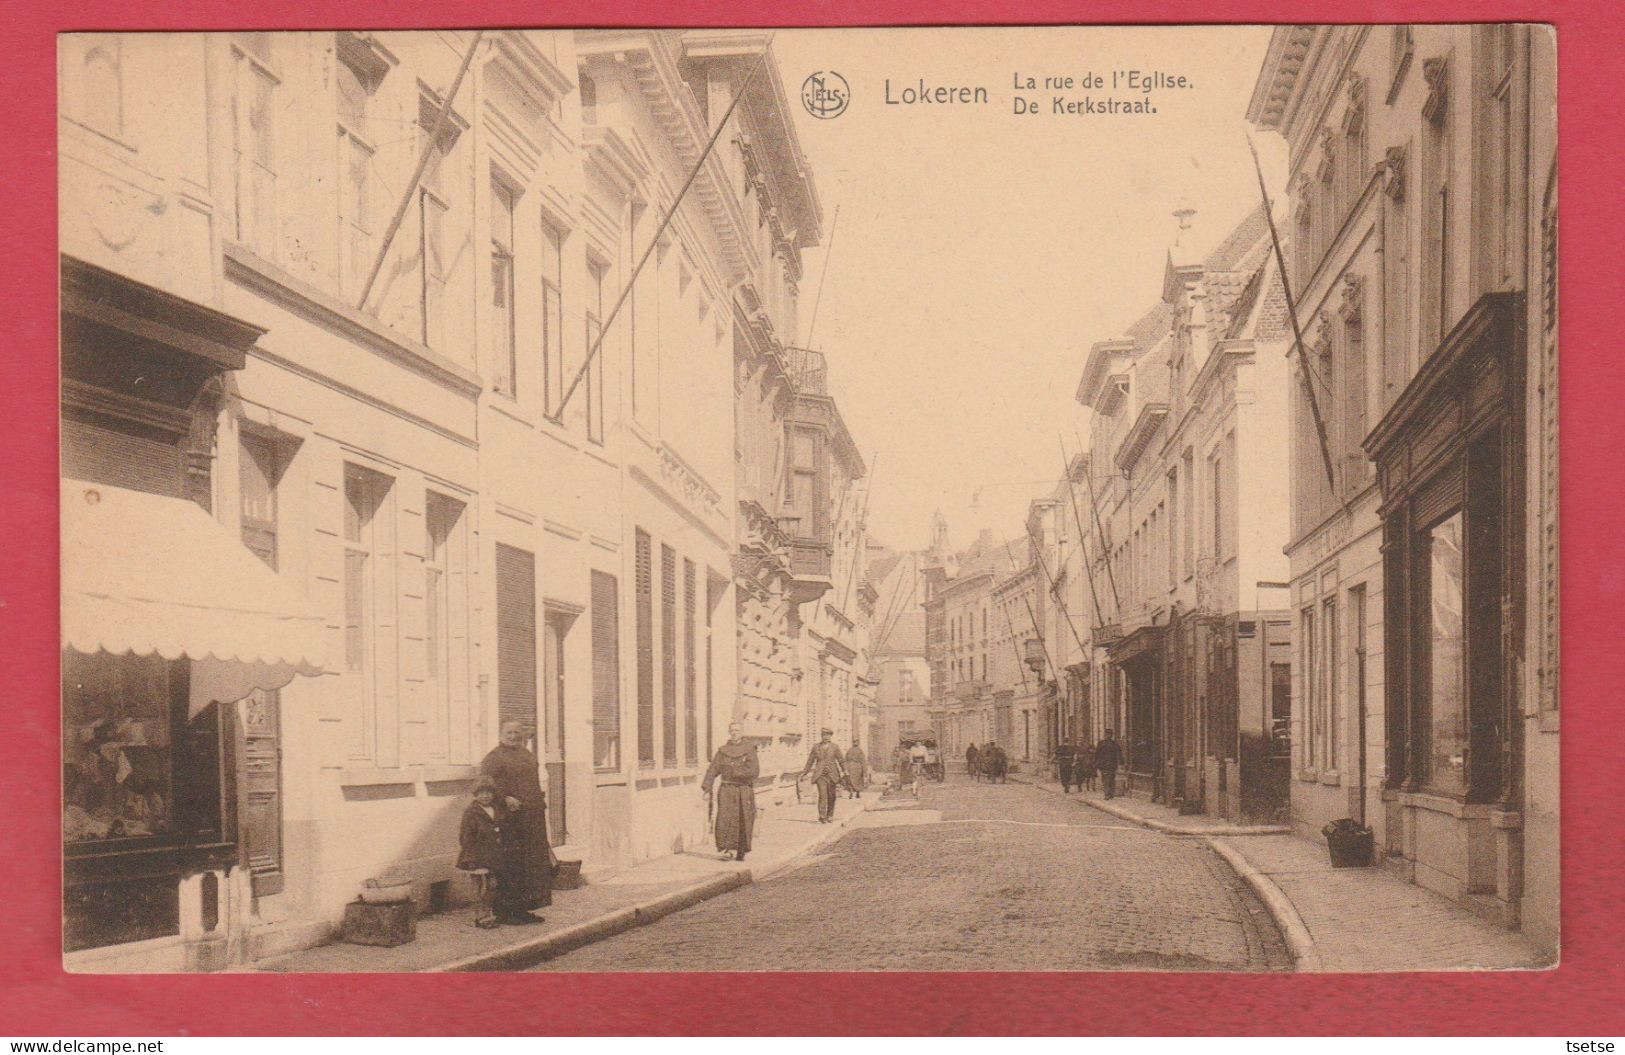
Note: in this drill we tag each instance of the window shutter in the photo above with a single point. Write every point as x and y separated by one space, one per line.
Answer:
646 648
668 654
516 637
606 672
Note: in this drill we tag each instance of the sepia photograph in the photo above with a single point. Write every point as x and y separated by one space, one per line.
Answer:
949 499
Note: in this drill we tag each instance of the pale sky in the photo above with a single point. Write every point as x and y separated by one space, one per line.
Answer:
979 253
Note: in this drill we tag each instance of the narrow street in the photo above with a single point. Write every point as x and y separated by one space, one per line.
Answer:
1002 877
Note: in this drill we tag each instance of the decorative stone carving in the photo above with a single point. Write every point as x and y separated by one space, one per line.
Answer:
1393 173
1353 298
1436 72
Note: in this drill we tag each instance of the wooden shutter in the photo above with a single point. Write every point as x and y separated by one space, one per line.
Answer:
260 784
606 672
691 732
643 585
668 654
516 637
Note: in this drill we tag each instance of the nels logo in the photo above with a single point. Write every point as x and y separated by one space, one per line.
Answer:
825 94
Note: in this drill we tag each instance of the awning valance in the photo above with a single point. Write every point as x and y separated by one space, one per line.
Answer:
147 575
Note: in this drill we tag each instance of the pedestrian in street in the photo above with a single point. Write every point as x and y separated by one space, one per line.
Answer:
734 769
1083 767
971 762
900 765
480 850
857 770
516 774
1065 755
825 768
1108 756
918 756
997 763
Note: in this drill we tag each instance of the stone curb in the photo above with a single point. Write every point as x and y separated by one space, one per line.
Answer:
1300 943
1163 826
547 946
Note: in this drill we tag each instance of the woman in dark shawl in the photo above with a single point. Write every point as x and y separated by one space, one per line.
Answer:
515 772
735 769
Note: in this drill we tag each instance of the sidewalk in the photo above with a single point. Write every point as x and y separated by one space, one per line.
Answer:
1335 919
449 941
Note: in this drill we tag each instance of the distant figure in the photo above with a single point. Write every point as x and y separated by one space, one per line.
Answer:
1065 767
917 757
1108 756
1083 767
998 763
971 761
736 766
857 770
825 768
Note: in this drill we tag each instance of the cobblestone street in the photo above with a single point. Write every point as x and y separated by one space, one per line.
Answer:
973 877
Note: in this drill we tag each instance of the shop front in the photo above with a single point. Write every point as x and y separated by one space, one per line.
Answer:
1450 458
1140 657
174 635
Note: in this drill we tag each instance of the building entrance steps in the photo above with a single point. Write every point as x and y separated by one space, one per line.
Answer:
1335 919
607 905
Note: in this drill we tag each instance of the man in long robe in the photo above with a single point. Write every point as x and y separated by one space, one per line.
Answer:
825 768
516 773
857 770
733 772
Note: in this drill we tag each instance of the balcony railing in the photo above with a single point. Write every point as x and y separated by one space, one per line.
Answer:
808 370
809 559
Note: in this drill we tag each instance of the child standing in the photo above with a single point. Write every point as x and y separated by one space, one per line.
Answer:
481 851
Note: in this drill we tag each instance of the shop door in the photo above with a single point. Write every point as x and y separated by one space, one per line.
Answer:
259 783
516 640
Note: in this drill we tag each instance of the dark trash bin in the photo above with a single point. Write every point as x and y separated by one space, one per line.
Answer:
1350 843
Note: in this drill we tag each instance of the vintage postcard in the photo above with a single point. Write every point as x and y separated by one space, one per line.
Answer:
929 499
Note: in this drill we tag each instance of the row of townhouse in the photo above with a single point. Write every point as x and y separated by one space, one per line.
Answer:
1367 627
1424 562
345 487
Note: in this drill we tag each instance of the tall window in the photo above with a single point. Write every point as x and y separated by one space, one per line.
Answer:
606 673
1396 282
1446 656
259 472
638 342
1330 690
433 204
806 483
594 381
254 85
644 587
1216 511
668 655
356 82
1438 205
1311 687
504 347
1173 528
1353 384
553 379
1187 543
1499 44
365 548
445 609
691 724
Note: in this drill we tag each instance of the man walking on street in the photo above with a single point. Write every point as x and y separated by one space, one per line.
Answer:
1108 756
1065 755
970 761
824 766
857 770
